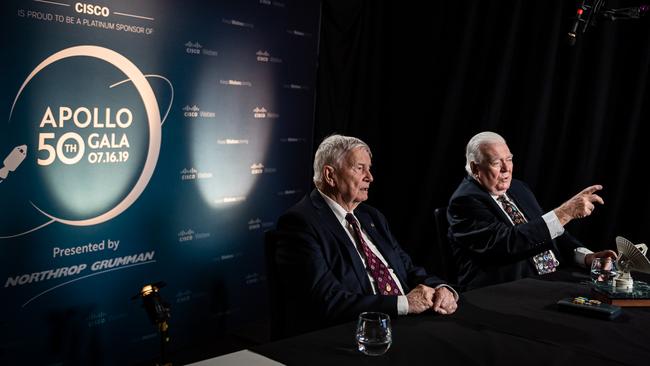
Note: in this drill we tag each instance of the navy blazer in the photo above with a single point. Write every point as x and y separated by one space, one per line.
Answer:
317 260
487 248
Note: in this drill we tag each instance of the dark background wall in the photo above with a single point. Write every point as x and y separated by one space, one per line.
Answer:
416 80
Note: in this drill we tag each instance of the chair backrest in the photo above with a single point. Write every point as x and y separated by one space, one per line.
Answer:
446 257
275 289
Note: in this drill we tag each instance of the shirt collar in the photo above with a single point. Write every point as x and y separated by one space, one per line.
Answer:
495 196
338 210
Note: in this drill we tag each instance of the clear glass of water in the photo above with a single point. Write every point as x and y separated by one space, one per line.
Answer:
603 271
374 334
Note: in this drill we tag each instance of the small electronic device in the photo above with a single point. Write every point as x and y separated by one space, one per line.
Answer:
589 307
631 257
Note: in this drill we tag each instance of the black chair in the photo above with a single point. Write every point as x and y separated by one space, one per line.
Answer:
275 289
286 303
445 255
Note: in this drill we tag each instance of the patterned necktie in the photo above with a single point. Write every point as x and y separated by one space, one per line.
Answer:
378 270
544 262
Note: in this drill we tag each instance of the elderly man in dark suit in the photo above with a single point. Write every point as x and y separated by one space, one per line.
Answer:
337 254
499 232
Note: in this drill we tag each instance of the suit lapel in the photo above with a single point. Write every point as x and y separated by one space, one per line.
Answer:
342 238
491 202
523 204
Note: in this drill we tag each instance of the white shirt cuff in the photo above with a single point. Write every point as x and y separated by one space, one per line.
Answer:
579 255
402 305
553 224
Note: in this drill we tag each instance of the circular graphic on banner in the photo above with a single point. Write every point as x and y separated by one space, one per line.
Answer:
94 140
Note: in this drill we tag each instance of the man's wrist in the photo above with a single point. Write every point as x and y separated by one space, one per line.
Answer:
580 256
562 216
451 289
402 305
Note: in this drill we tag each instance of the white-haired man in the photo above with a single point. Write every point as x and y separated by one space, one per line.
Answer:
338 255
499 232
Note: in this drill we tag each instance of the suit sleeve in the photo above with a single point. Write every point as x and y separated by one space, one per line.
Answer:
478 231
305 266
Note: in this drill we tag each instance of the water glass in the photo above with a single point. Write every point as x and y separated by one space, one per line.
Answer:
374 334
603 270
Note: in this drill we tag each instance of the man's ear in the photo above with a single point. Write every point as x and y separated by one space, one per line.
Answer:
474 167
328 175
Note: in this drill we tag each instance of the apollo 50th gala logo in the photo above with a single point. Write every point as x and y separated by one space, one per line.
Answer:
82 139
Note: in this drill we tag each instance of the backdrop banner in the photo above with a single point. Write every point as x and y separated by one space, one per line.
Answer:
141 142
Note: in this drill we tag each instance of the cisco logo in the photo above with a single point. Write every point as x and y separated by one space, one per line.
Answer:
92 9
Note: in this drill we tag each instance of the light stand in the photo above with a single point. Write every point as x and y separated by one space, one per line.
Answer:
159 312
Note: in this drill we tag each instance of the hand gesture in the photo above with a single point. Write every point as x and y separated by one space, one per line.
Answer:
579 206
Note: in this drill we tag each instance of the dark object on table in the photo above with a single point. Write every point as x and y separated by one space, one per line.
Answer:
589 307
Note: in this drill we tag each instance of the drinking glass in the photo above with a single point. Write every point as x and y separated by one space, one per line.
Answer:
603 271
374 334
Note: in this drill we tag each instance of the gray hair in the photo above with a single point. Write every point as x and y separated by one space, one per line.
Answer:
473 150
332 150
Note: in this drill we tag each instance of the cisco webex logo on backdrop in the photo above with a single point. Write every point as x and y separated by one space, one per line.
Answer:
93 129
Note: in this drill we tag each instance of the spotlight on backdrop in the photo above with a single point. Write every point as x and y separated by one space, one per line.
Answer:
590 11
159 312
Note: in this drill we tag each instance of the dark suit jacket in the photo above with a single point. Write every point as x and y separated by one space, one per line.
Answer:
487 248
319 263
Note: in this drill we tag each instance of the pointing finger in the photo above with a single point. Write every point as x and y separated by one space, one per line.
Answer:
592 189
596 198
